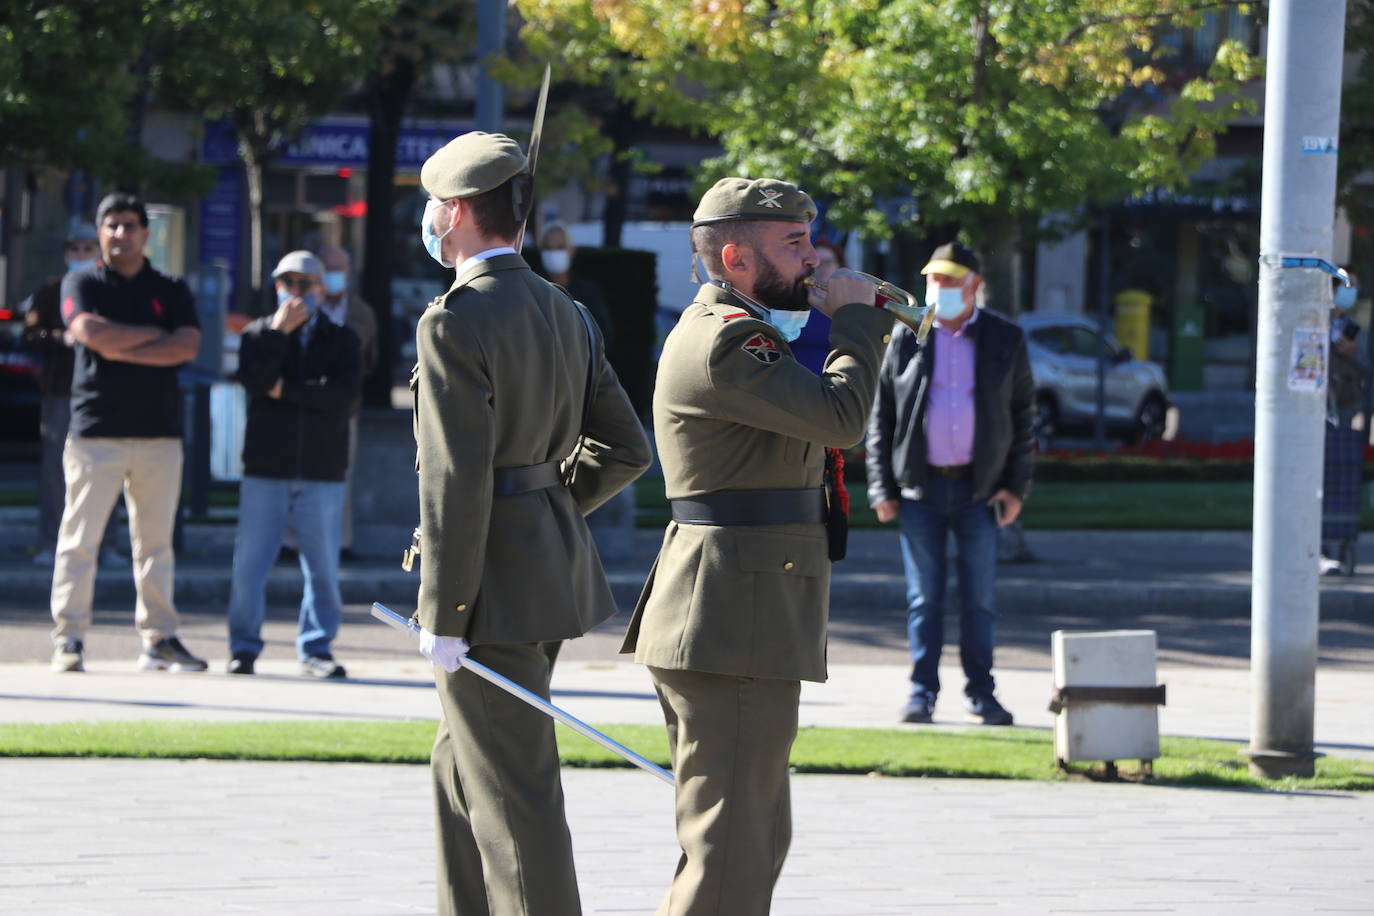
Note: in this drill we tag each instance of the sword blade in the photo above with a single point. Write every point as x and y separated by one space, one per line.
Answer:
392 619
536 134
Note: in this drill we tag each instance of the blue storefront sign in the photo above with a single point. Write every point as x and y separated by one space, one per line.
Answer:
332 144
324 145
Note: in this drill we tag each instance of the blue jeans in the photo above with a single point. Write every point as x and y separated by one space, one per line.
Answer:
265 506
948 506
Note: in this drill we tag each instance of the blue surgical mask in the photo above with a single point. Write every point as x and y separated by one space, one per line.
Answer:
432 241
789 323
309 299
73 266
947 300
1345 297
335 282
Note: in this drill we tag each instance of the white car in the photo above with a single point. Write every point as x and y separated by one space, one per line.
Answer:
1064 354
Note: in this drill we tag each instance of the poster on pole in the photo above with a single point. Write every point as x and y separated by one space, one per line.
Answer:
1307 366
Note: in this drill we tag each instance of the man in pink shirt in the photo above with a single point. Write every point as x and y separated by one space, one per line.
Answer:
950 450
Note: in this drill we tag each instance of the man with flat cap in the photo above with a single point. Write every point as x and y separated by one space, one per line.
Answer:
733 616
522 429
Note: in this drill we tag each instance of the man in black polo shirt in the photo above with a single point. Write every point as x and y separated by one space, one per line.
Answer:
133 327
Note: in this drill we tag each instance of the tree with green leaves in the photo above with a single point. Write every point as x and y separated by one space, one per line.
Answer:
269 67
919 116
416 36
64 79
1357 116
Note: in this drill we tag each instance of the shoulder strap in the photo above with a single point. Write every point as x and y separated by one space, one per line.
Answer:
593 360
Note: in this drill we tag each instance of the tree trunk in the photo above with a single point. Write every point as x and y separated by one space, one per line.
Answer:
624 132
138 109
252 168
1002 266
387 97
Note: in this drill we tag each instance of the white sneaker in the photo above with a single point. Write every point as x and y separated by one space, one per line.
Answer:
67 657
43 558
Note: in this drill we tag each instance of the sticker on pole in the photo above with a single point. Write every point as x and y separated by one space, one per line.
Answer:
1308 364
1320 146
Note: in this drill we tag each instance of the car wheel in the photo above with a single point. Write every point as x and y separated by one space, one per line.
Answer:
1046 420
1149 420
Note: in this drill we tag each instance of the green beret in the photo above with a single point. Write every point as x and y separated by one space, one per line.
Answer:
470 164
762 198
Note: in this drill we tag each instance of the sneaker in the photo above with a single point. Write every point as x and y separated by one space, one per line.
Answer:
44 558
322 666
986 711
67 657
170 655
242 663
920 708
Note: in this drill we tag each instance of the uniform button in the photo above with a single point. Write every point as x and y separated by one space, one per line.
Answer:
787 565
461 607
886 338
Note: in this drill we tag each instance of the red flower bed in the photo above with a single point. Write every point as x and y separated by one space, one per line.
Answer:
1237 450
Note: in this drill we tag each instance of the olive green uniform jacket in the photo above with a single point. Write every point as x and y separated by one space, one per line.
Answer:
733 410
500 383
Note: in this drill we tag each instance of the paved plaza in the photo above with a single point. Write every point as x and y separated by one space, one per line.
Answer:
146 837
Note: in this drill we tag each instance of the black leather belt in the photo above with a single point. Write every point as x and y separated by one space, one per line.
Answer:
509 481
952 471
751 507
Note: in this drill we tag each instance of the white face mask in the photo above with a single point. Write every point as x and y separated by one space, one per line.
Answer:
947 300
557 260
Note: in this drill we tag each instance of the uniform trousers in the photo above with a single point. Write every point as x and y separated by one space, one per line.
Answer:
149 472
730 739
503 840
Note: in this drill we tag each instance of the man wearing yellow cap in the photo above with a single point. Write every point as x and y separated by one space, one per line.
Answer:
950 450
511 377
733 616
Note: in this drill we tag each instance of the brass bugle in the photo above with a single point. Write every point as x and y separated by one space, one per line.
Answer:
903 306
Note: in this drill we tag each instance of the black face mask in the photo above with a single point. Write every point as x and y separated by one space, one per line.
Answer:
774 291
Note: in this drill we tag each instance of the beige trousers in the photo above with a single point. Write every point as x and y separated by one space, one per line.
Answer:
730 738
96 469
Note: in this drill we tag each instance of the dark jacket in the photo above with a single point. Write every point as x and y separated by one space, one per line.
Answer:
43 333
303 435
1004 413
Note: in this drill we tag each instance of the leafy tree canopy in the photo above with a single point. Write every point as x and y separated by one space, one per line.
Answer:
916 112
64 78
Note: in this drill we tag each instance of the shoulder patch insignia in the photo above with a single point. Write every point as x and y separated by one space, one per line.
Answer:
762 348
734 315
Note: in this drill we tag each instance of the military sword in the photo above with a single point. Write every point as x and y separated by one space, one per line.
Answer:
532 156
393 619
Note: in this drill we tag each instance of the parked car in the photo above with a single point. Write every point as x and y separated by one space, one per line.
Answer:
19 392
1064 354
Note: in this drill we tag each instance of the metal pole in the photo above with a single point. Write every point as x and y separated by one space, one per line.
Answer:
491 39
1103 284
1302 115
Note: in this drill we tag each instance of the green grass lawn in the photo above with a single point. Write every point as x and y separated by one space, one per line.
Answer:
1088 505
1209 506
1003 753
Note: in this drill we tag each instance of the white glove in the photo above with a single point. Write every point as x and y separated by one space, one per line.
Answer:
447 652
